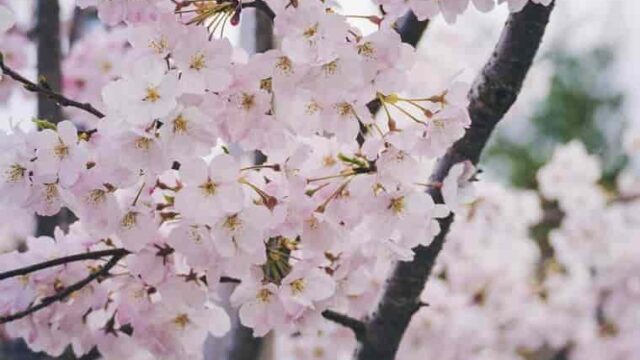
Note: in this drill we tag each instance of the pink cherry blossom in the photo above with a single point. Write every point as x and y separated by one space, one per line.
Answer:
210 190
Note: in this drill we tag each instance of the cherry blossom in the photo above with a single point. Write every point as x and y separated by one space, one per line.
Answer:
114 11
14 47
59 155
203 64
152 90
210 190
261 307
450 9
162 185
457 187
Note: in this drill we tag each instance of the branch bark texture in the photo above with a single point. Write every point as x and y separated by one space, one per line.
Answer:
49 77
63 261
66 292
494 91
49 57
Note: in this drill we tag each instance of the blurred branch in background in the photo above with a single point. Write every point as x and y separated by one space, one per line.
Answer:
581 105
49 75
49 65
80 23
49 55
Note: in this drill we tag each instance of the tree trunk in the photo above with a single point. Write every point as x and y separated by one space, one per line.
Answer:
493 93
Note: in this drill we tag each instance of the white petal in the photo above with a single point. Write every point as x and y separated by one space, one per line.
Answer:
194 172
224 168
218 321
7 19
67 132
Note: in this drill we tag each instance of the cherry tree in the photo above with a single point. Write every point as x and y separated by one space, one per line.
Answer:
334 235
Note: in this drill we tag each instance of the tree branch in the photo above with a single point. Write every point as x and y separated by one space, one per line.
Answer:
493 93
116 255
49 57
243 345
65 292
229 280
47 92
62 261
357 326
262 6
47 36
412 29
93 255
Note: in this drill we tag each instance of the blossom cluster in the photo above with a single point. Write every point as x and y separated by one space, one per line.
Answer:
94 60
340 196
450 9
499 292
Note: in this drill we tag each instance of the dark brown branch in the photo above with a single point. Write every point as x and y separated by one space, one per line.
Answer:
92 255
262 6
46 91
357 326
493 93
49 57
243 345
229 280
65 292
263 32
62 261
412 29
47 37
116 255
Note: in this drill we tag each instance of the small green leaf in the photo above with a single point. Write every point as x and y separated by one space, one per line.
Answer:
44 124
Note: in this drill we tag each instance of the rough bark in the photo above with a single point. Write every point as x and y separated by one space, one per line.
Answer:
49 75
49 56
492 94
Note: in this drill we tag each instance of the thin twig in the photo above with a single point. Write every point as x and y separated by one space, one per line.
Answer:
44 90
358 327
229 280
116 255
65 292
62 261
262 6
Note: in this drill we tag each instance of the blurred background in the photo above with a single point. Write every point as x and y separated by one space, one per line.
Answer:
584 85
